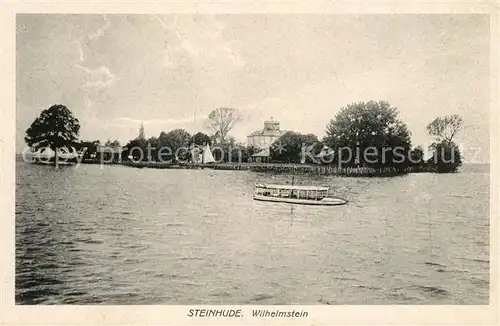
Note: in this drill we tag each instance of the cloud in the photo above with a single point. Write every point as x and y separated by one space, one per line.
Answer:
100 32
79 49
167 54
201 39
92 37
429 58
236 59
165 26
98 78
443 33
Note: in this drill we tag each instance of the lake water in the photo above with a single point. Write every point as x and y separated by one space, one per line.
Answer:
120 235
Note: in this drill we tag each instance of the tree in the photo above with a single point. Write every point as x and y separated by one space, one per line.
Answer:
417 156
55 128
90 148
231 141
446 154
178 141
154 144
215 138
252 150
222 120
291 145
445 128
135 148
200 139
236 152
249 151
114 144
446 157
374 131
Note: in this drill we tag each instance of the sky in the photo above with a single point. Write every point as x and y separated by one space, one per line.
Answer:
115 72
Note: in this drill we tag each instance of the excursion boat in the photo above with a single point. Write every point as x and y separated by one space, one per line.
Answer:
305 195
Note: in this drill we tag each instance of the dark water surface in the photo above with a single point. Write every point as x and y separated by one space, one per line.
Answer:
119 235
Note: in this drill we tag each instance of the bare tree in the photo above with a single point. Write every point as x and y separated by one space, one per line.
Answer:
445 128
222 120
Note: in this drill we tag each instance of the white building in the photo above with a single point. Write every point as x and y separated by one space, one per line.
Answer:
264 138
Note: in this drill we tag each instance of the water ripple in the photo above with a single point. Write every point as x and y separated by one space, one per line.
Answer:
150 236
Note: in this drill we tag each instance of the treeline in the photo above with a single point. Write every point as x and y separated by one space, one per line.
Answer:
90 148
361 135
177 145
371 135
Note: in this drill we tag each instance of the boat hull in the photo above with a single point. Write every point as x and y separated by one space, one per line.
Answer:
330 201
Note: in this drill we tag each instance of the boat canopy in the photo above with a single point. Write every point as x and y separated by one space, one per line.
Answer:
290 187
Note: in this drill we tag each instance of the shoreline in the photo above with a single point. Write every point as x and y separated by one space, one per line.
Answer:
282 168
